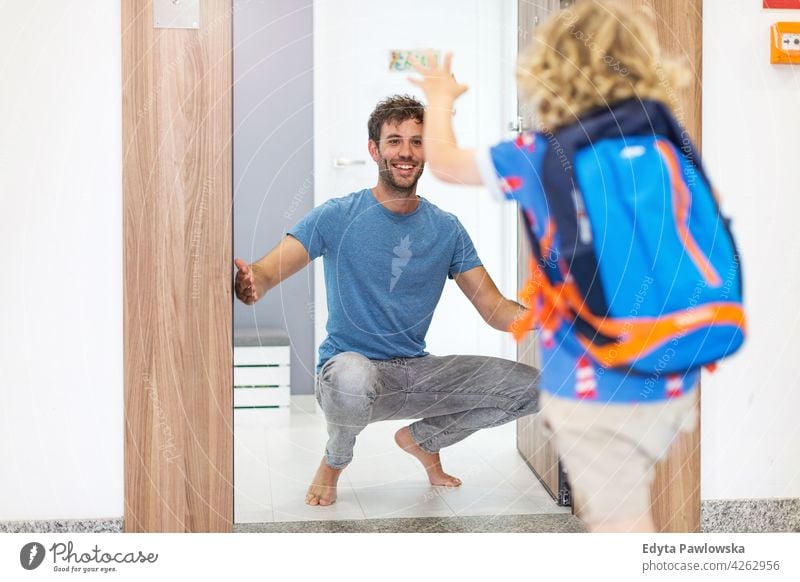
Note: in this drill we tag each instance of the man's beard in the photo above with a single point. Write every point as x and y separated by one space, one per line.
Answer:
403 187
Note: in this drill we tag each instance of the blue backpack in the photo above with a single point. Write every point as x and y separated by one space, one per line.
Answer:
630 248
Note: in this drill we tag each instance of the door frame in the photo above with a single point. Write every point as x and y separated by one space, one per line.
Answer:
177 260
177 231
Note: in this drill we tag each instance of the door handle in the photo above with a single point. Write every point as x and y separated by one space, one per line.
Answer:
344 162
519 125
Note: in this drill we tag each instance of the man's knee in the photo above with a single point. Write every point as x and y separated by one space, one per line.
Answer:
523 382
348 380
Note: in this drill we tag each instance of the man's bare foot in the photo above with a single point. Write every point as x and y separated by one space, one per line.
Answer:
322 490
431 461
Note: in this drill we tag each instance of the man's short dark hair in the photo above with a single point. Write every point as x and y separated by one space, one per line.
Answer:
394 109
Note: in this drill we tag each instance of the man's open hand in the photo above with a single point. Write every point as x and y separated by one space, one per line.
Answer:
245 285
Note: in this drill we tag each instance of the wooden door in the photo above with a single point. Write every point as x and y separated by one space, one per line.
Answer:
177 201
676 489
533 443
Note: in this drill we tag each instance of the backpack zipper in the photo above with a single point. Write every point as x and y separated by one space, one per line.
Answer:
681 199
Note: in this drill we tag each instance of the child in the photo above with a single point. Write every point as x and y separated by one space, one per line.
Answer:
592 70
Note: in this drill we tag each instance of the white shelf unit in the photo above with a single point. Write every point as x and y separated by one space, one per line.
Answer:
261 373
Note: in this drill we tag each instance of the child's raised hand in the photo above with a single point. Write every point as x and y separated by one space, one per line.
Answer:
438 83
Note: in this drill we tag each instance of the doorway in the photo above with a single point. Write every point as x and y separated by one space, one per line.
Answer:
177 181
358 53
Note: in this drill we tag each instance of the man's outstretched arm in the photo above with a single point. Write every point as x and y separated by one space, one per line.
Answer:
253 281
495 309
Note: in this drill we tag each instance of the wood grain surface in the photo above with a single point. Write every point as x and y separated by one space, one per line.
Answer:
177 186
676 489
533 443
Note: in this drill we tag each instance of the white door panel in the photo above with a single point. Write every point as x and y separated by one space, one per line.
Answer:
353 42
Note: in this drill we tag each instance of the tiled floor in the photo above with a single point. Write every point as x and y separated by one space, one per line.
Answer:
278 450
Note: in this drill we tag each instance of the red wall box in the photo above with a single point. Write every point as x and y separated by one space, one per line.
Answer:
782 4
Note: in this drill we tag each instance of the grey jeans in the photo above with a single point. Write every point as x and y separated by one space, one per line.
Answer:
453 395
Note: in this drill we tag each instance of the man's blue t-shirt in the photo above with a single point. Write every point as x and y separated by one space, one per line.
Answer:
384 272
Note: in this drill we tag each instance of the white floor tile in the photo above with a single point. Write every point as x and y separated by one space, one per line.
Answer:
253 515
471 469
411 501
295 481
391 466
295 451
514 471
252 499
251 487
488 441
470 500
289 505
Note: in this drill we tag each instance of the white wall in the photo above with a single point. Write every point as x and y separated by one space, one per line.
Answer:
61 405
751 146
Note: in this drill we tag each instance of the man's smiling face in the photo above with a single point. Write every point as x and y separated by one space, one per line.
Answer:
399 155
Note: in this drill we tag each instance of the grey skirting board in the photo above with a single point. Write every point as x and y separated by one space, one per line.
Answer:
750 515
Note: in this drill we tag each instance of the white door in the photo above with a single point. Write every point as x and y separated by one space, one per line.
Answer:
353 43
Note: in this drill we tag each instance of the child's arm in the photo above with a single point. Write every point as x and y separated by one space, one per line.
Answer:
446 160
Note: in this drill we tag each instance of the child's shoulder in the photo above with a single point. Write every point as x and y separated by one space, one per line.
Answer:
529 142
524 153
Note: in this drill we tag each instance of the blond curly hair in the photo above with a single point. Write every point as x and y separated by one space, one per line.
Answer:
596 54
